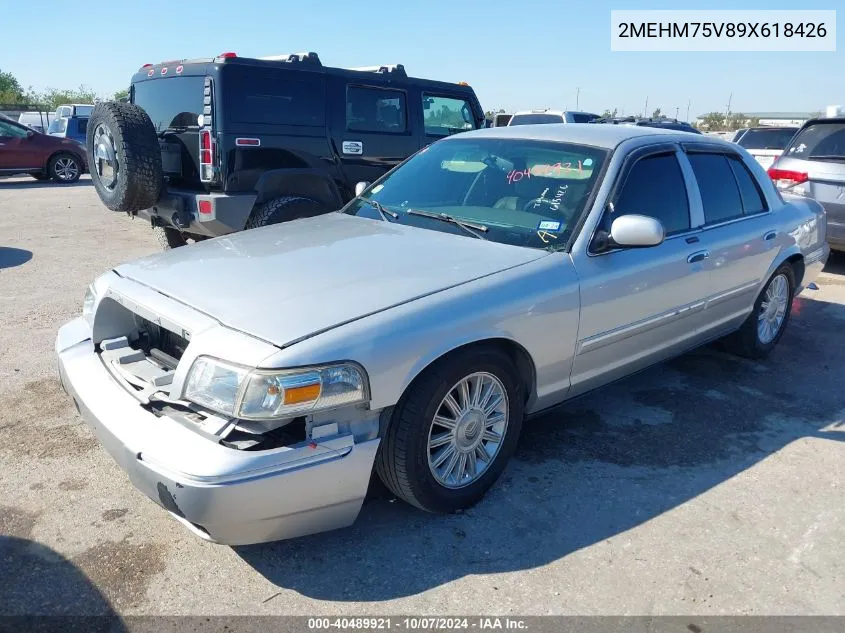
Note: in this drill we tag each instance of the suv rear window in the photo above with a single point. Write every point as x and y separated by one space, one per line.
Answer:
775 138
819 141
273 97
532 119
170 102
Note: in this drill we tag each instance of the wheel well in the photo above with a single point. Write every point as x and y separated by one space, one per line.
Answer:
303 183
59 152
515 351
797 263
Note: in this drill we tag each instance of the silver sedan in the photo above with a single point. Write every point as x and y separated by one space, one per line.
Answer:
251 383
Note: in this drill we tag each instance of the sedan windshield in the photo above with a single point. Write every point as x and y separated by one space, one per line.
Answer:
518 192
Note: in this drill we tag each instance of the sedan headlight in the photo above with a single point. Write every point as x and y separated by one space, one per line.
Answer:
260 394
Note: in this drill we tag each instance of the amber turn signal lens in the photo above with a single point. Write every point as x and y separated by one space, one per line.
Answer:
306 393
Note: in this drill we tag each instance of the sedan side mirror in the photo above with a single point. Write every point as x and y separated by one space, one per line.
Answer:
636 231
361 187
30 134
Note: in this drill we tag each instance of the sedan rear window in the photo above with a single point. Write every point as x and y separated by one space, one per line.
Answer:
819 141
533 119
775 138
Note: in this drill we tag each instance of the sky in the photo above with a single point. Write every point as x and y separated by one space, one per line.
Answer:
515 55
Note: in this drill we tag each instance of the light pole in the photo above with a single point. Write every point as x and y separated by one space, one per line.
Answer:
577 95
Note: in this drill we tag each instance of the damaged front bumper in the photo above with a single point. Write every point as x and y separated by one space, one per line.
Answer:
222 494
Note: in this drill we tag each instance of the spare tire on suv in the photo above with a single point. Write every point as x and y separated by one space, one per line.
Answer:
124 156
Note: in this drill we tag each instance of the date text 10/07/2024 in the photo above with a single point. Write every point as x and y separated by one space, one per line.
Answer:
416 623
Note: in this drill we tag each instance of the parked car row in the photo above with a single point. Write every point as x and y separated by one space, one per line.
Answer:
27 151
251 384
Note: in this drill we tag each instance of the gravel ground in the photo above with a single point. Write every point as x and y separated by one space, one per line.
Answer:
706 485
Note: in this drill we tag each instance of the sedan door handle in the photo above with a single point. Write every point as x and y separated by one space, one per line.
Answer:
770 235
698 256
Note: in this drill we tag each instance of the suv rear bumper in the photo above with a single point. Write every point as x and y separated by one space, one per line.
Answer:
221 494
179 208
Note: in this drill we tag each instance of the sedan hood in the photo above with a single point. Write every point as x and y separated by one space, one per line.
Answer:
293 280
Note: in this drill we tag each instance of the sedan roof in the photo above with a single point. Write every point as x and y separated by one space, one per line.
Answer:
607 136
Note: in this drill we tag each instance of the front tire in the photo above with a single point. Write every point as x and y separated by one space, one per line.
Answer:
763 328
451 435
64 168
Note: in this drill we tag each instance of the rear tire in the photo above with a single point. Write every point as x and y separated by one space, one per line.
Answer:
411 448
124 157
763 328
64 168
284 209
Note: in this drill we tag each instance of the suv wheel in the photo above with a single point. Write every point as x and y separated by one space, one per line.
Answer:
124 156
284 209
64 168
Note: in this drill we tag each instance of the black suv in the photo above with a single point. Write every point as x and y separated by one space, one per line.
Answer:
662 122
211 146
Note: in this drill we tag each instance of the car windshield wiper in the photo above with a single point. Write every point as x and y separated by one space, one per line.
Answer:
469 227
382 210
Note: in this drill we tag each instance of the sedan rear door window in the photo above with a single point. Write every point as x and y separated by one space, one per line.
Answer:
717 184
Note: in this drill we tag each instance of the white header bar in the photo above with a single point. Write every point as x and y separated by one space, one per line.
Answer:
723 30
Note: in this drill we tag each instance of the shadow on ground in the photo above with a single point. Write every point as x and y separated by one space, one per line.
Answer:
11 257
40 590
31 183
599 466
835 263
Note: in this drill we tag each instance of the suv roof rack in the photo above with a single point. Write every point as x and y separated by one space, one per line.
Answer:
387 69
295 58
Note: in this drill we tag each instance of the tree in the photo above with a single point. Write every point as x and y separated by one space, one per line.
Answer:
52 98
11 90
657 113
609 114
713 121
737 120
121 94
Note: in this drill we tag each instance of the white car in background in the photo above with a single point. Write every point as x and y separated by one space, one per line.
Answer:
765 144
38 121
534 117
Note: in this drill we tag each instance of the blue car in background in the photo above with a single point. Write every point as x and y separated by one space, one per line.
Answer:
72 127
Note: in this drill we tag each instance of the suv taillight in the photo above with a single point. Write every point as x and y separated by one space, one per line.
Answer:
787 178
207 144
